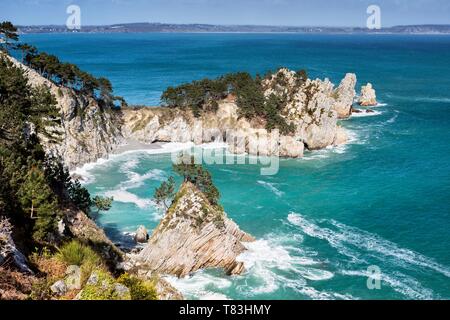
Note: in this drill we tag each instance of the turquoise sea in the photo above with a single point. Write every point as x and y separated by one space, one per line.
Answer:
383 201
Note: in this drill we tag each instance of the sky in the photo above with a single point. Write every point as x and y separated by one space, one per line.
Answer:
255 12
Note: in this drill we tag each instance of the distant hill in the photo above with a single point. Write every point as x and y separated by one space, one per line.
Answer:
166 27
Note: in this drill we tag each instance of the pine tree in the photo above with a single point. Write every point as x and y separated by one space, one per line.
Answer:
37 199
165 193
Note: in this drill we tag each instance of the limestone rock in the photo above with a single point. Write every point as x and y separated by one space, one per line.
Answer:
345 95
141 235
8 249
73 279
193 235
59 288
368 96
87 132
123 293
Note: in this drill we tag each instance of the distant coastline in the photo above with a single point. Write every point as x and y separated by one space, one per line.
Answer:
206 28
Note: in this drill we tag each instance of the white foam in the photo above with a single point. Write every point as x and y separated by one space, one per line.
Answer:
201 285
128 197
136 180
355 243
402 284
374 243
84 171
366 114
271 187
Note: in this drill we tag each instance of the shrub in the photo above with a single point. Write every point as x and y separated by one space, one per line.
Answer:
76 253
139 289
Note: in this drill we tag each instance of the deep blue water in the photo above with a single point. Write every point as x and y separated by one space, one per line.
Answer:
383 200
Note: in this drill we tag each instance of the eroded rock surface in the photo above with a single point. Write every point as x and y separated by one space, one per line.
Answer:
193 235
368 96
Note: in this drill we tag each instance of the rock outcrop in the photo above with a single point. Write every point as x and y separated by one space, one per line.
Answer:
368 96
345 95
86 133
313 107
141 235
193 235
9 254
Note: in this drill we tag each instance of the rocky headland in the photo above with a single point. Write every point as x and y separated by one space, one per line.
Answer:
193 235
89 132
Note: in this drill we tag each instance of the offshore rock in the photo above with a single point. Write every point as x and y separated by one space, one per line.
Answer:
368 96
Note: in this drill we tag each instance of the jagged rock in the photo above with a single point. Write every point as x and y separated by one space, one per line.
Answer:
84 228
87 132
61 227
8 250
122 292
59 288
73 279
345 95
313 107
93 278
368 96
341 136
166 291
141 235
193 235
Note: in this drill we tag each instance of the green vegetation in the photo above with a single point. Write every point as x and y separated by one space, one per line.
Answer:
200 177
102 203
27 194
33 187
76 253
8 34
203 96
64 74
102 289
165 193
139 289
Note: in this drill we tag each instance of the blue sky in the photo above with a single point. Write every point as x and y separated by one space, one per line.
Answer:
269 12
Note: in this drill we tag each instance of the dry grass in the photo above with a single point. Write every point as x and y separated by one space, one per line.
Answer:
15 285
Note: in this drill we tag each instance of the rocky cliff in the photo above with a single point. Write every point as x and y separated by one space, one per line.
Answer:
86 131
193 235
313 108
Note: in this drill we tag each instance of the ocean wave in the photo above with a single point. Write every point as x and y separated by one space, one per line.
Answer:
356 244
201 285
393 118
136 180
124 196
366 114
363 240
271 187
400 283
85 171
373 243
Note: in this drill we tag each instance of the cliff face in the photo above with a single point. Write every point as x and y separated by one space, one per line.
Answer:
313 107
193 235
86 133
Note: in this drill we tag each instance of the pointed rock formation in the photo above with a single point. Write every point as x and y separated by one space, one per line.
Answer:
193 235
368 96
345 95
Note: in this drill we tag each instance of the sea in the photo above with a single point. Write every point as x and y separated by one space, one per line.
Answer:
368 220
